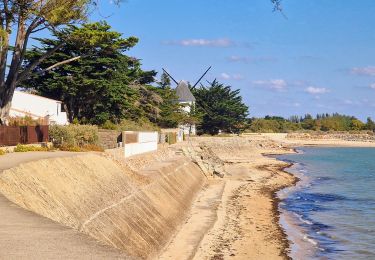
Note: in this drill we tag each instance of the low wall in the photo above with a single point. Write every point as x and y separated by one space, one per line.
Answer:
146 142
109 139
105 200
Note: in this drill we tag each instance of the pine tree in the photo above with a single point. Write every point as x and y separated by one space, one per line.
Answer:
97 87
220 109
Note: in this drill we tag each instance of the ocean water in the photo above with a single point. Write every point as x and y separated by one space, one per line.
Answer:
330 213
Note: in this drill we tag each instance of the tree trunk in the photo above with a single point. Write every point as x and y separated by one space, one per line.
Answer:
5 104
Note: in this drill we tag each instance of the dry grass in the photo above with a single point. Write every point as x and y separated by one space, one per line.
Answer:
28 148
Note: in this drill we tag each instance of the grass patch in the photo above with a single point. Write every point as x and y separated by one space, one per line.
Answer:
25 148
130 125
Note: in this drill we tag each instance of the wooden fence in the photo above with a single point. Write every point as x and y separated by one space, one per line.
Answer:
13 135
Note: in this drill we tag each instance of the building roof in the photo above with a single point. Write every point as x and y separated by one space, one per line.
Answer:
30 94
183 92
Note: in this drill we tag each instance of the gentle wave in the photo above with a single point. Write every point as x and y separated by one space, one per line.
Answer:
333 206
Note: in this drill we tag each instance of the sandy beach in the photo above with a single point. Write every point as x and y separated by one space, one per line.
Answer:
237 216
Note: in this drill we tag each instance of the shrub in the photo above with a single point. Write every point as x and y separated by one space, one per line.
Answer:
109 125
2 152
26 121
84 148
73 135
141 125
69 148
29 148
130 125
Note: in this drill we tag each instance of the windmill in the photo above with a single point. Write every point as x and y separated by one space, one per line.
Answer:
186 98
182 88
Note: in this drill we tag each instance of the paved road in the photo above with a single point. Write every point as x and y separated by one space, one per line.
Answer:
26 235
13 159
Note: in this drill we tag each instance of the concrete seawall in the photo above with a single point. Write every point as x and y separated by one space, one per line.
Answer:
136 212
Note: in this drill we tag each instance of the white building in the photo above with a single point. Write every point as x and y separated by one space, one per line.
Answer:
25 104
187 100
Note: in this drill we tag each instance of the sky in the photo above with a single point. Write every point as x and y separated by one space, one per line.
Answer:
316 57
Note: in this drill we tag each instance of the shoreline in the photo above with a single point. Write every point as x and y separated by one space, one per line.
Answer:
277 212
244 222
269 238
276 200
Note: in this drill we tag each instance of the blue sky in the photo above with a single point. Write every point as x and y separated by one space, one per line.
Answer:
321 58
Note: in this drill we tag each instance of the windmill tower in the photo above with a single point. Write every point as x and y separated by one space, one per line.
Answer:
186 99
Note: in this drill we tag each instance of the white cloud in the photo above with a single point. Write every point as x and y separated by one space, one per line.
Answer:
316 91
224 42
367 71
238 59
226 76
372 86
350 102
245 59
277 84
238 77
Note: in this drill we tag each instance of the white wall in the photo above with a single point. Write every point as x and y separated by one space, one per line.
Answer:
186 106
187 129
37 107
147 142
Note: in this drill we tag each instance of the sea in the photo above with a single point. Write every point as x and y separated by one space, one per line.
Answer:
330 213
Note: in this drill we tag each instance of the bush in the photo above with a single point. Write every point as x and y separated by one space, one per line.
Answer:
26 121
84 148
2 152
73 135
129 125
28 148
109 125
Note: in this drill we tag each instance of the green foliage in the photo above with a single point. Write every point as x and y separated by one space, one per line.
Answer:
322 122
130 125
73 135
170 110
220 109
23 121
102 83
2 152
370 125
356 124
273 126
165 81
109 125
29 148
